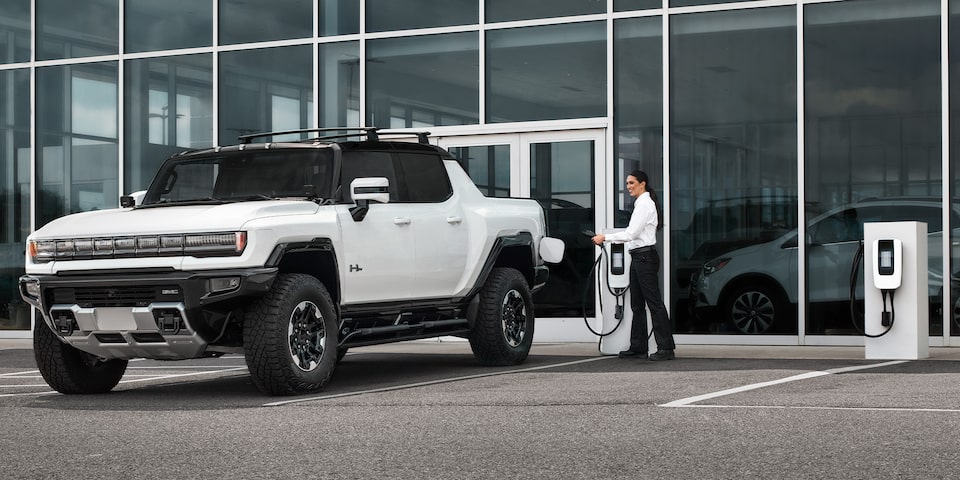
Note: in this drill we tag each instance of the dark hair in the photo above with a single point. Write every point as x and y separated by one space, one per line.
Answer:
641 176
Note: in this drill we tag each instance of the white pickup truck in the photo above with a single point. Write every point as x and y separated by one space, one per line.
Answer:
291 253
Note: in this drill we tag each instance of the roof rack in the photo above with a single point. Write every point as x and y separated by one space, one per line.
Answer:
372 133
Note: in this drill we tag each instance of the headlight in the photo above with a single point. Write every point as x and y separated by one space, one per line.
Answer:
200 245
715 265
223 284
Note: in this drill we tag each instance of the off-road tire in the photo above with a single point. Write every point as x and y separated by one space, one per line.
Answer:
503 329
290 336
71 371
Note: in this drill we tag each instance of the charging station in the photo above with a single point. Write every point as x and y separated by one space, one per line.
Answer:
617 316
896 303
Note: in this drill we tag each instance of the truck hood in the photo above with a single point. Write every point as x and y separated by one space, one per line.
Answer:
172 219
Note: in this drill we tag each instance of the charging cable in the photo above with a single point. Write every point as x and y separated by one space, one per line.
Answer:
619 295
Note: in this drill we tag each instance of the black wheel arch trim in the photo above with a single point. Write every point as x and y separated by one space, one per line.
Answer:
522 239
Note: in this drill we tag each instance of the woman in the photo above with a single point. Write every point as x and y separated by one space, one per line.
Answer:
641 238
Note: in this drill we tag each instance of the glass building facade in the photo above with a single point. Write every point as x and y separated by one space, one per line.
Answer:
771 129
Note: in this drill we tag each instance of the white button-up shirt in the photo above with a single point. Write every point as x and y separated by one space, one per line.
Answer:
642 230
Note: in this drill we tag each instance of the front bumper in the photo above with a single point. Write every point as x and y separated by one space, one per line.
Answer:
162 315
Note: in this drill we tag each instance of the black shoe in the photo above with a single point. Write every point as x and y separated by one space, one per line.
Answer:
662 355
632 353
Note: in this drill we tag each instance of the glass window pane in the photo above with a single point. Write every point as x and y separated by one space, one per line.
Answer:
265 90
638 103
339 94
77 167
385 15
953 308
243 21
872 100
423 81
167 25
547 73
339 17
71 29
562 180
14 194
624 5
488 167
15 32
168 107
508 10
733 169
688 3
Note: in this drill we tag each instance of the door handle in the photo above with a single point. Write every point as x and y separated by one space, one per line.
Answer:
401 221
454 220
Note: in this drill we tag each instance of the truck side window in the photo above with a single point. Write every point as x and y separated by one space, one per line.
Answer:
368 164
425 178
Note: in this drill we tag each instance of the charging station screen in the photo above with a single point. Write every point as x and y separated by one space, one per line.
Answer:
618 261
886 259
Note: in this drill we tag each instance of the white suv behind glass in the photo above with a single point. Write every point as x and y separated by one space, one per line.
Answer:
754 289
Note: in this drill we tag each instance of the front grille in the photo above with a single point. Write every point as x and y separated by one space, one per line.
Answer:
123 296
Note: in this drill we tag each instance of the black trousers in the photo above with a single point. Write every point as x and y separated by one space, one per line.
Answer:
645 292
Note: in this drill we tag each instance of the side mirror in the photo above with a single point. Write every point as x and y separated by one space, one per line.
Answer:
366 190
551 249
132 200
375 189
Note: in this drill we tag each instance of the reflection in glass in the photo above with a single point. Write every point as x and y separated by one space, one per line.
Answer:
243 21
265 90
624 5
76 139
562 180
383 15
168 107
872 131
423 81
953 307
546 73
339 17
488 167
510 10
14 194
339 94
733 170
71 29
15 32
689 3
638 103
171 24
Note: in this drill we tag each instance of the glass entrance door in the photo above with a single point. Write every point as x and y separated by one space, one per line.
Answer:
562 171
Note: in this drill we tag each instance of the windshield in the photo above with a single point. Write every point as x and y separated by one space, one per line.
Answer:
244 176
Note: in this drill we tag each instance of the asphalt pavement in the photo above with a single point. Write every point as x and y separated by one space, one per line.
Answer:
428 410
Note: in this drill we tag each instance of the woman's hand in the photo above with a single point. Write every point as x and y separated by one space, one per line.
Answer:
598 239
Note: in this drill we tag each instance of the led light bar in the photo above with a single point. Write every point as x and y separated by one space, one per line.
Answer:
192 244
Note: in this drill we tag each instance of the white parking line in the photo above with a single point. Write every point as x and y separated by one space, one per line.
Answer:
16 374
431 382
146 378
689 401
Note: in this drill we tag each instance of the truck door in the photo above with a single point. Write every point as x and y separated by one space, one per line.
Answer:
377 253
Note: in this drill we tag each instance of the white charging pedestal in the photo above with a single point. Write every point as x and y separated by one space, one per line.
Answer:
908 337
619 340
